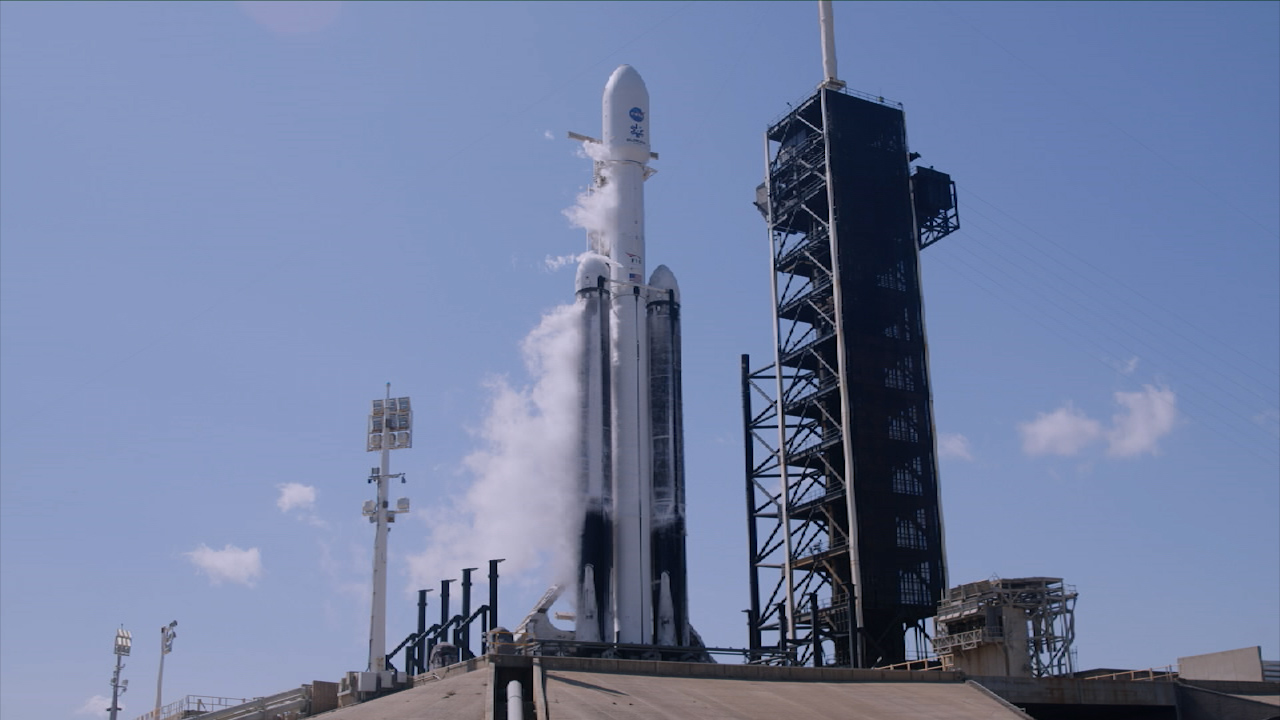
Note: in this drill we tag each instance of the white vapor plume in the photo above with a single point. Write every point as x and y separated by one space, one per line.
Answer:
1148 415
555 262
1065 431
230 564
596 206
524 504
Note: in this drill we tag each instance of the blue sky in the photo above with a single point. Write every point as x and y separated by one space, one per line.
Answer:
224 226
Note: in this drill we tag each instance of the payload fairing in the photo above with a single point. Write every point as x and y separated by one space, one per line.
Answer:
632 585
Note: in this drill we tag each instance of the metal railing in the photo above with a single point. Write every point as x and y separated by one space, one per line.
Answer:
192 706
281 706
575 648
967 640
938 664
1160 674
878 99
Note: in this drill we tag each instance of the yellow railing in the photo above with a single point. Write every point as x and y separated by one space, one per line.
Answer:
1166 673
938 664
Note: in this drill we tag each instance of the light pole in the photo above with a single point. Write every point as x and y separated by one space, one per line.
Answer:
167 634
119 687
390 428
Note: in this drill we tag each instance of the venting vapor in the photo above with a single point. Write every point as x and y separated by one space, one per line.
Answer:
632 585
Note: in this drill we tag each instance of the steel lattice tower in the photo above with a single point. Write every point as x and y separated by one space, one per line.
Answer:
845 522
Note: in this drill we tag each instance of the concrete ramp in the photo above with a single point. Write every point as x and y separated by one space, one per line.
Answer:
459 697
596 696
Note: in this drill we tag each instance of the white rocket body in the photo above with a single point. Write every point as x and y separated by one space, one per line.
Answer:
625 455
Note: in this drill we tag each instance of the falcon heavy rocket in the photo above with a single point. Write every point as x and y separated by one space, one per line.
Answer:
631 582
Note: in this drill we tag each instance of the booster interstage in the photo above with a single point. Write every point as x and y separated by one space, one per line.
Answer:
632 585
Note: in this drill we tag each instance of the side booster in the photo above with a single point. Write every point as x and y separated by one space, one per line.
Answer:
632 585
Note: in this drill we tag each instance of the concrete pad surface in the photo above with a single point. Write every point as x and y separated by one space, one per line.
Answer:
461 697
604 696
1264 699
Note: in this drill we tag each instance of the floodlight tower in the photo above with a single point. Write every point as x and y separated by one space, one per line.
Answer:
124 641
167 634
390 428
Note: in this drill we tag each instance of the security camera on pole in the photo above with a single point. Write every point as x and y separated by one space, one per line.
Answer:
390 428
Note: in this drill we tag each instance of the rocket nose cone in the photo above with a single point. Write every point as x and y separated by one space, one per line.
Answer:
664 279
591 268
626 116
625 77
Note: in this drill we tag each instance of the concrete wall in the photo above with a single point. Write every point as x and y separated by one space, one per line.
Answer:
1243 664
738 672
324 696
1203 704
1009 658
1068 691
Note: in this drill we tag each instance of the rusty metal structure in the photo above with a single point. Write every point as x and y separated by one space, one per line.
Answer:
1016 627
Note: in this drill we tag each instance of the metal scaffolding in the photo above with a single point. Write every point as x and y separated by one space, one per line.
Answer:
844 520
1032 618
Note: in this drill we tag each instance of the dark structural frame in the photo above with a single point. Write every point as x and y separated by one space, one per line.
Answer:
844 518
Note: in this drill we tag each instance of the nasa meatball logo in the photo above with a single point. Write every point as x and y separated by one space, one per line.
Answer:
637 114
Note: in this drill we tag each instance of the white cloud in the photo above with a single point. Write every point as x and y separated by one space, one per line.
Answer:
954 445
230 564
548 135
1144 417
1269 420
1065 431
1147 416
293 18
96 706
296 496
348 575
1129 367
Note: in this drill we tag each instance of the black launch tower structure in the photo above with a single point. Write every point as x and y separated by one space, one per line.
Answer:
847 559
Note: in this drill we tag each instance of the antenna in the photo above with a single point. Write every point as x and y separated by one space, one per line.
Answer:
830 81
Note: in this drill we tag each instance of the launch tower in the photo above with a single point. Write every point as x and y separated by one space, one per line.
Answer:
844 517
